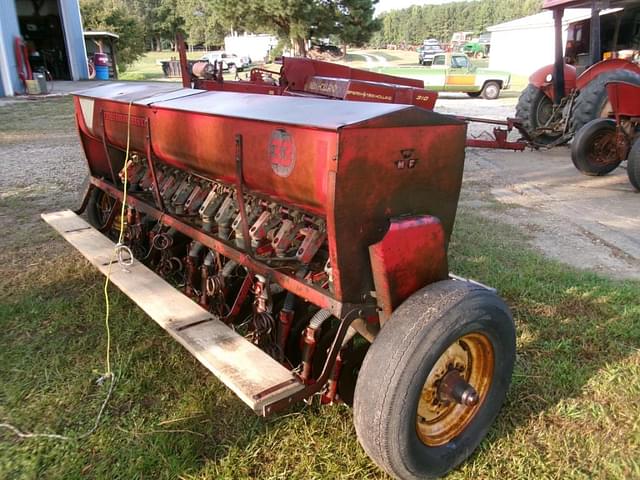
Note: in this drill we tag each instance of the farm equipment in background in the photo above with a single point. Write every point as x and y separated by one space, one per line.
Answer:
602 144
303 77
297 247
559 100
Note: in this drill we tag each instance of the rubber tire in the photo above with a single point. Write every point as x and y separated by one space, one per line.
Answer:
491 91
397 364
474 94
92 208
633 165
593 97
582 145
528 103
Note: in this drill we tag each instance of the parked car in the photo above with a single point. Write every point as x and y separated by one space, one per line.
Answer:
428 49
454 72
229 60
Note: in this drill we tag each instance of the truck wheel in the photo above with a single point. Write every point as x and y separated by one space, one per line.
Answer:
99 208
491 90
535 109
593 150
593 102
434 379
633 165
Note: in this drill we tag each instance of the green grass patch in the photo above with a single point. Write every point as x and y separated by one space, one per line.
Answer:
572 411
148 66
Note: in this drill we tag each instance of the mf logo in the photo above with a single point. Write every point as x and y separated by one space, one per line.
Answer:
408 159
282 152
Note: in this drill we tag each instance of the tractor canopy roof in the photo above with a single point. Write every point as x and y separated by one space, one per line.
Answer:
551 4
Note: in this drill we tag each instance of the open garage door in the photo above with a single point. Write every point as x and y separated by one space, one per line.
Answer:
42 29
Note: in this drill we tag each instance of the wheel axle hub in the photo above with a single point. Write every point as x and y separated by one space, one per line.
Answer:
454 388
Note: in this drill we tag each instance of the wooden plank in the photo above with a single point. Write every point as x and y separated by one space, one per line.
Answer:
240 365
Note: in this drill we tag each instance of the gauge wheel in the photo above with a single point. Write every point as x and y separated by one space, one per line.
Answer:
595 150
434 380
633 165
99 209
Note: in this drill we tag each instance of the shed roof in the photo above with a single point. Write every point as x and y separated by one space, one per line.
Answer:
100 34
587 3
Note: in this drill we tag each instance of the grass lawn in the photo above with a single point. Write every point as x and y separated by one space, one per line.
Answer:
572 410
148 67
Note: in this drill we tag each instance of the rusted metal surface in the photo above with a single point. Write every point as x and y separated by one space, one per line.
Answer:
411 254
419 154
313 78
625 100
455 389
265 172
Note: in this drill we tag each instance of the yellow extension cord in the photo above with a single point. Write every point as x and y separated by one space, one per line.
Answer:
108 372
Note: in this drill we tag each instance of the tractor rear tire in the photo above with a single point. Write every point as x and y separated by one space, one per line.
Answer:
593 100
534 109
593 150
447 327
633 165
491 91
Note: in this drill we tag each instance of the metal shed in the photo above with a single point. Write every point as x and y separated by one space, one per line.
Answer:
52 32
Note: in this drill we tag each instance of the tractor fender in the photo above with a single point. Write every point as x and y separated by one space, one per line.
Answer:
539 79
604 66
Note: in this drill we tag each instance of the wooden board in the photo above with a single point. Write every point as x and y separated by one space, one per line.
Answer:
240 365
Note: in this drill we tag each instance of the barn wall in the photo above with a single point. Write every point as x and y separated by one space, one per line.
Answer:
522 51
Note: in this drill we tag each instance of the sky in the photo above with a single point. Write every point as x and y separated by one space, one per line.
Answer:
385 5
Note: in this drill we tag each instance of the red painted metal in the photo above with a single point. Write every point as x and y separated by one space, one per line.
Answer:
303 76
22 60
411 254
605 66
625 99
549 4
182 51
419 155
539 79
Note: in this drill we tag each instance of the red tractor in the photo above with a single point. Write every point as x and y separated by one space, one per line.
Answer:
563 97
602 144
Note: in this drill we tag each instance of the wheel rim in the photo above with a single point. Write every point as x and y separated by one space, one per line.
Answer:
105 204
604 149
544 111
492 91
440 418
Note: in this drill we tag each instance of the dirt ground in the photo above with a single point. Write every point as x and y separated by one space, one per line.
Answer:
587 222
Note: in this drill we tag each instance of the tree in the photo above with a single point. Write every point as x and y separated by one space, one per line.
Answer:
356 24
202 24
301 20
112 17
168 21
417 23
